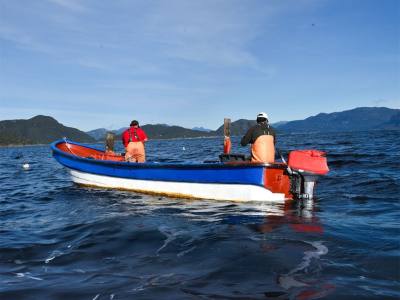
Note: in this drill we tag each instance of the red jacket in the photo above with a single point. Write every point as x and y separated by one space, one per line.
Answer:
133 134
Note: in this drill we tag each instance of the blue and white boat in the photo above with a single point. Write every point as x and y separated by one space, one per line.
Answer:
230 180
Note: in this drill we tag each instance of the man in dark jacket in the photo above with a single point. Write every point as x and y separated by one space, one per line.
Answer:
262 139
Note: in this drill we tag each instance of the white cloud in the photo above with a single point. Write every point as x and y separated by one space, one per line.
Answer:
167 54
70 5
212 32
24 40
217 33
392 103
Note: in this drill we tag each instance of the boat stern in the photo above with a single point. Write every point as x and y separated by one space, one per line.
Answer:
277 180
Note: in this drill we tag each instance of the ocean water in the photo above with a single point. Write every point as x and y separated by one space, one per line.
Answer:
61 241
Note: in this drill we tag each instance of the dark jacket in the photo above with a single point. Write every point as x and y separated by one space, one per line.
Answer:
257 130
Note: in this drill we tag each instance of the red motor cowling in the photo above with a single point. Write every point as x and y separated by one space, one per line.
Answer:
311 161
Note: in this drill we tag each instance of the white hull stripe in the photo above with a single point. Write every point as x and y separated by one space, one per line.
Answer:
234 192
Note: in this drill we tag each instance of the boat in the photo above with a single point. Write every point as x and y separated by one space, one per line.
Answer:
229 178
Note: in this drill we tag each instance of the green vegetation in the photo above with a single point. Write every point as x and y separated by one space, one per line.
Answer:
38 130
358 119
44 129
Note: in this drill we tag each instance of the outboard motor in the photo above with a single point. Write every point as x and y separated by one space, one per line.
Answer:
305 167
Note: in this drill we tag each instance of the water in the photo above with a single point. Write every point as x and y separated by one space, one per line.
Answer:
60 241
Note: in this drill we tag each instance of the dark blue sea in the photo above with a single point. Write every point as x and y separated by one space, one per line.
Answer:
61 241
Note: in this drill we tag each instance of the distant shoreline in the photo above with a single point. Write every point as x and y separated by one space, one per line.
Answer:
22 145
103 141
206 137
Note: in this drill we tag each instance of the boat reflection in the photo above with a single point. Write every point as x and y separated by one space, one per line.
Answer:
298 215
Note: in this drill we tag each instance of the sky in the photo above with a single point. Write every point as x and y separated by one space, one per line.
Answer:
100 64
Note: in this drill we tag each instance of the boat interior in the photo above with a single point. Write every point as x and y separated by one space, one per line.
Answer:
92 153
87 152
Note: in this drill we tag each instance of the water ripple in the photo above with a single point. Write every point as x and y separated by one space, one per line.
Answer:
60 241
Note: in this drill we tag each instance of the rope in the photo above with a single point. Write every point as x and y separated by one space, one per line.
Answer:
69 146
284 161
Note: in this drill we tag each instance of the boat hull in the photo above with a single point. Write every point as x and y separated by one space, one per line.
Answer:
220 181
188 190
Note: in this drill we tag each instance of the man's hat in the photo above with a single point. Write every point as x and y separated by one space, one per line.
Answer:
262 115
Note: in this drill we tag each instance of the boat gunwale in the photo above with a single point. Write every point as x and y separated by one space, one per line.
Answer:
156 165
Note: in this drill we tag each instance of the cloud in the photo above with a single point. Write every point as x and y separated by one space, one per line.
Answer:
393 103
152 37
70 5
174 54
212 32
380 101
24 40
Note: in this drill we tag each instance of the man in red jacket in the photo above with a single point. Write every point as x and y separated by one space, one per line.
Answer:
133 139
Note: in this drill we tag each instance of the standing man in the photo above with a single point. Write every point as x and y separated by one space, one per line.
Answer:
133 139
262 138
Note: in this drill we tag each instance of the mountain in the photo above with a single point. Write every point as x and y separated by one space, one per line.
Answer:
97 134
361 118
44 129
157 131
120 131
201 129
241 126
100 133
277 124
238 127
393 123
162 131
38 130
